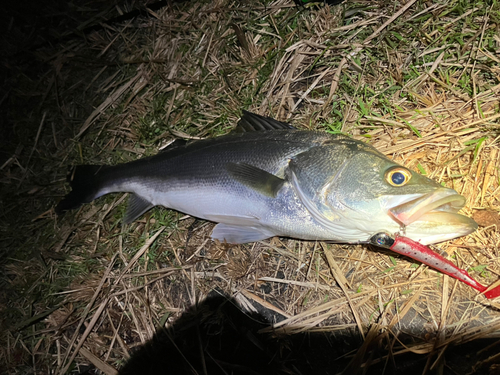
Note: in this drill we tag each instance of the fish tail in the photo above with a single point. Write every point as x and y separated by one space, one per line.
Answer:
86 183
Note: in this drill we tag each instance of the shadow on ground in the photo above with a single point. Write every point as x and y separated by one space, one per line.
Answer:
217 337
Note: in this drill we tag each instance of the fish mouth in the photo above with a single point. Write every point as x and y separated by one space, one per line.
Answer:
433 217
444 202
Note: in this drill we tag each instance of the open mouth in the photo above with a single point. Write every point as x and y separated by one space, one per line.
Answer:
443 203
431 218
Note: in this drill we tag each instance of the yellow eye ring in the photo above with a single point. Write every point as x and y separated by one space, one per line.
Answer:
398 176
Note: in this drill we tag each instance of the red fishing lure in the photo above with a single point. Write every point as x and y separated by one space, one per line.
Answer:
415 250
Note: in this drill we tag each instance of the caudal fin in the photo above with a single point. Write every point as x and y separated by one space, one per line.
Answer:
86 182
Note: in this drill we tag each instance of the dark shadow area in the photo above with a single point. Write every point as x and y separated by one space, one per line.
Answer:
217 337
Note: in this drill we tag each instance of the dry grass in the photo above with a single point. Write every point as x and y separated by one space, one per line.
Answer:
418 81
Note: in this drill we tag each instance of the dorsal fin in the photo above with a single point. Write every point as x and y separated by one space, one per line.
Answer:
251 122
176 143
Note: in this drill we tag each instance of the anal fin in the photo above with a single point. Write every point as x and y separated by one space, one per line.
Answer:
136 207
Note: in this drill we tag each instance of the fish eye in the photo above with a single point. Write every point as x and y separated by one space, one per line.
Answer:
398 176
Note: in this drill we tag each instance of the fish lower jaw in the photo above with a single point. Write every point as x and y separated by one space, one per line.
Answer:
438 226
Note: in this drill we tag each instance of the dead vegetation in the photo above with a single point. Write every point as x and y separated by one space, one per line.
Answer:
418 80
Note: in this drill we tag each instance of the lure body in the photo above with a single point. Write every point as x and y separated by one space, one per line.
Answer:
415 250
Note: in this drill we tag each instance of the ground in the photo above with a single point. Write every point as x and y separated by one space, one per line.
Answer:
105 83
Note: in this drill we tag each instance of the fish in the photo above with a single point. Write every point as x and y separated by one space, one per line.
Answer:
267 178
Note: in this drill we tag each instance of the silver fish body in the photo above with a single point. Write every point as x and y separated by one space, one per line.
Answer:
271 180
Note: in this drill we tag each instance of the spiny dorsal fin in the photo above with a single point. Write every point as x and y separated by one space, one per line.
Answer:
251 122
136 207
255 178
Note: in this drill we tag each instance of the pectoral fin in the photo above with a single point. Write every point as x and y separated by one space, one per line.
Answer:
136 207
255 178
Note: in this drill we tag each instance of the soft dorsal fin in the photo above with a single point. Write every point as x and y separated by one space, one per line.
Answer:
176 143
255 178
251 122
